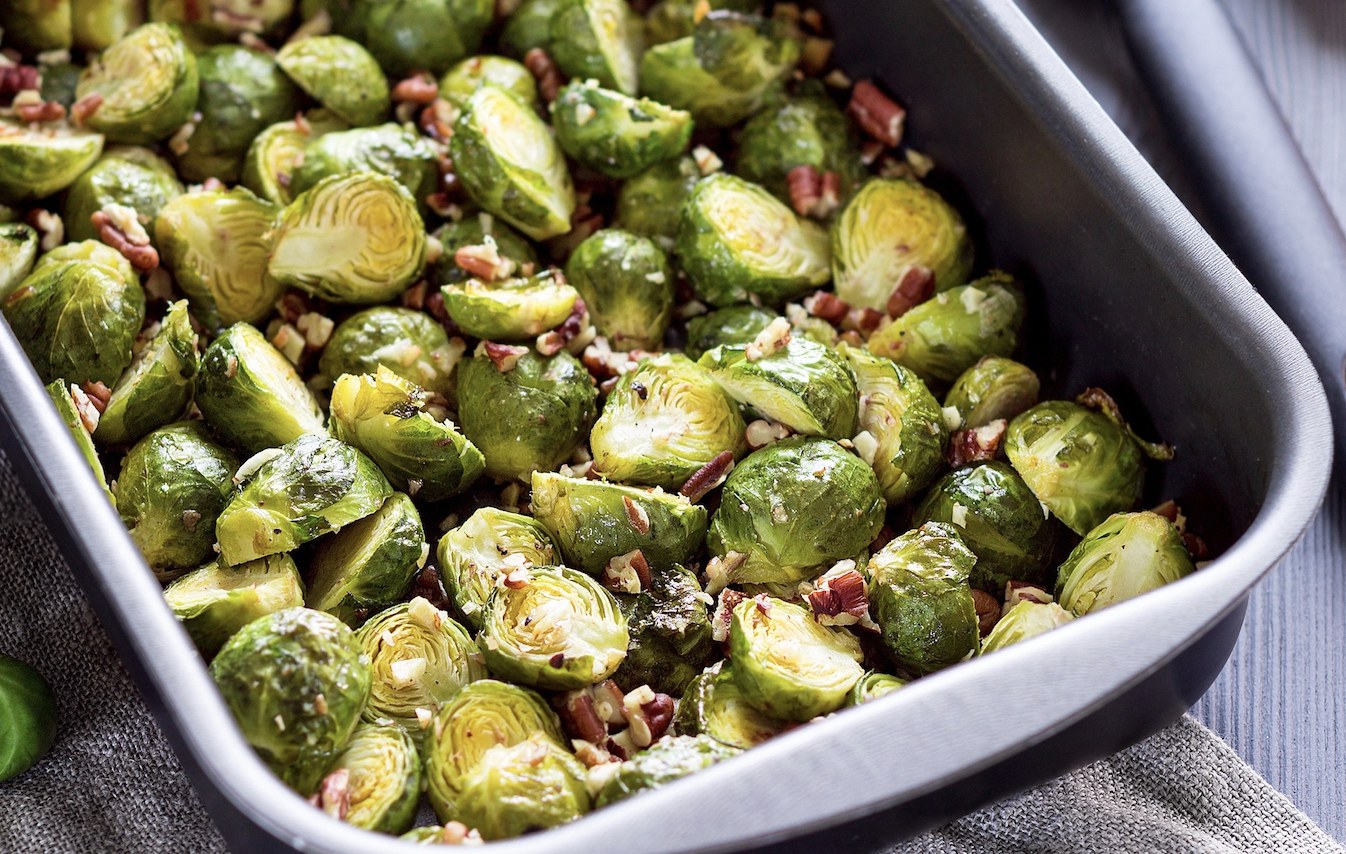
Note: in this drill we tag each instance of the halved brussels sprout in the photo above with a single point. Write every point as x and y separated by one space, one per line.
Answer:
528 786
215 601
290 495
385 416
409 343
407 36
735 324
41 159
420 659
803 385
671 636
250 394
528 418
268 167
295 682
62 397
616 134
207 22
97 24
341 75
714 706
795 508
355 239
736 240
557 632
593 521
216 244
627 286
993 388
1125 556
397 151
891 226
383 778
663 422
675 19
599 40
36 26
919 596
903 418
666 760
1025 620
158 386
512 310
369 564
469 75
872 686
528 27
18 251
650 202
473 231
952 331
510 164
473 556
148 84
125 175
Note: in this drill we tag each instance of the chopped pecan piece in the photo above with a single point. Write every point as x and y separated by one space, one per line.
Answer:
827 306
640 520
816 54
485 261
437 120
628 573
1196 547
18 78
143 258
503 356
988 611
840 599
648 715
414 296
915 287
1024 591
709 476
980 443
416 89
42 111
334 795
84 108
724 613
545 72
880 116
579 716
98 393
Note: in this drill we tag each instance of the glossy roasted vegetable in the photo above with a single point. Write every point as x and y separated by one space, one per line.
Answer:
993 388
674 19
379 777
458 84
397 151
872 686
63 397
268 167
38 160
671 637
1125 556
666 760
474 556
158 385
597 39
510 246
626 283
146 85
801 384
735 324
406 36
341 75
649 203
215 601
29 711
408 343
369 564
528 786
1025 620
510 310
36 26
18 251
528 27
614 133
134 177
714 706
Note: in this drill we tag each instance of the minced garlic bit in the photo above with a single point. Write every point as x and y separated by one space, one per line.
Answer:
706 160
959 515
127 221
424 717
317 329
288 340
972 298
953 419
775 336
866 446
424 613
407 671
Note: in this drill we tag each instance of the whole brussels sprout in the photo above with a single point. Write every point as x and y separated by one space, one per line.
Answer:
242 92
36 26
803 385
528 418
789 665
268 167
90 251
1025 620
905 422
510 164
663 422
674 19
406 36
215 601
295 681
671 635
734 324
993 388
290 495
952 331
339 74
409 343
714 706
148 84
18 251
511 310
1125 556
793 509
528 786
999 519
474 231
473 556
369 564
557 632
383 778
62 397
666 760
469 75
250 394
397 151
385 416
420 659
593 522
38 160
616 134
158 386
599 40
97 24
125 175
891 226
355 239
872 686
650 202
920 598
216 244
207 22
174 483
735 241
30 717
528 27
626 283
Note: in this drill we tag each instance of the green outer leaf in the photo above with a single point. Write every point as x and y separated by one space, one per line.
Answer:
459 82
513 310
993 388
872 686
149 84
369 564
472 231
406 36
158 386
409 343
626 283
397 151
666 760
528 27
529 786
124 175
614 133
276 152
215 601
339 73
1025 620
1125 556
671 636
36 26
735 324
713 706
599 40
804 385
385 778
650 202
36 162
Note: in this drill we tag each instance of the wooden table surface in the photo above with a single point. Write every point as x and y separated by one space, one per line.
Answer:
1281 700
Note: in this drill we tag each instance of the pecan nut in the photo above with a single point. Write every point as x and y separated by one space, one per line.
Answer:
880 116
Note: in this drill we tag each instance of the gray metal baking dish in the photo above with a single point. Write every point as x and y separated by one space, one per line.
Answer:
1135 297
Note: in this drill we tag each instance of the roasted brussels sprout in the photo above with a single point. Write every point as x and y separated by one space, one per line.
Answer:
714 706
385 416
30 717
671 637
36 26
295 681
735 324
511 246
803 385
136 178
872 686
290 495
663 422
97 24
597 40
650 202
90 251
250 394
674 19
993 388
63 397
469 75
952 331
380 774
214 601
511 310
890 227
369 564
528 27
1025 620
59 83
268 167
666 760
736 241
528 786
794 508
207 22
999 519
355 238
528 418
397 151
473 556
920 598
173 486
1125 556
18 251
510 164
341 75
409 343
38 160
406 36
216 243
148 84
158 386
616 134
627 286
